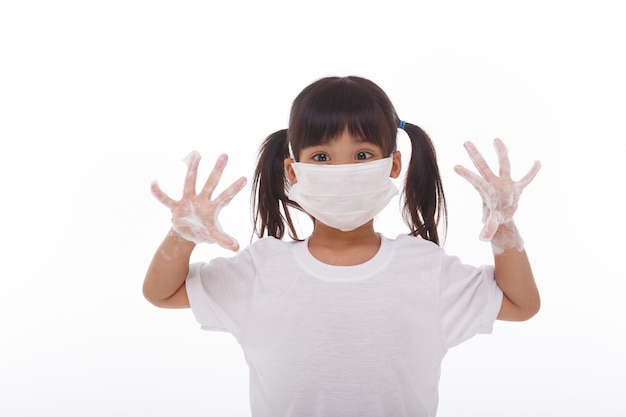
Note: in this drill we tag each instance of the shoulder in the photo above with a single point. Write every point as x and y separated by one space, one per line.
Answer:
270 241
260 252
416 252
413 253
415 244
450 264
266 256
270 247
271 254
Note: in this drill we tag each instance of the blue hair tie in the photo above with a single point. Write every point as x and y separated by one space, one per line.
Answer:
402 124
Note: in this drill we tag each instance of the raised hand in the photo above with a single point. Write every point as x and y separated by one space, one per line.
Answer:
500 194
195 216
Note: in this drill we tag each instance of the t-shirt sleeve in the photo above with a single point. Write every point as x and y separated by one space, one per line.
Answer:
219 292
470 300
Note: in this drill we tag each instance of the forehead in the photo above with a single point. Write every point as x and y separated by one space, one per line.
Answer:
347 138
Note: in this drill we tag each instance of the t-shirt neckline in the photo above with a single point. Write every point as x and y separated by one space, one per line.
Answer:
335 273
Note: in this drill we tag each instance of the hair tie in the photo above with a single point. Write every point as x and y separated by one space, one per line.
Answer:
402 124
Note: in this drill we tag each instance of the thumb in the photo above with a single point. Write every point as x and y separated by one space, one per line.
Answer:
490 227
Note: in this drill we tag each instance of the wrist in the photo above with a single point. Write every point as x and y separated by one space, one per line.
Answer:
507 237
175 236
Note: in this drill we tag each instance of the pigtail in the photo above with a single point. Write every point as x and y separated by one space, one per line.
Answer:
270 202
424 200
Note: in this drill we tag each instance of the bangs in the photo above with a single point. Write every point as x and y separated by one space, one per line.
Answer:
326 108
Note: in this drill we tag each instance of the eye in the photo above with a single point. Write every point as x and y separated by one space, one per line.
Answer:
321 157
363 155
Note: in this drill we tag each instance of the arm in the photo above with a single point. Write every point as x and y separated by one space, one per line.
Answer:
500 195
515 278
194 220
164 285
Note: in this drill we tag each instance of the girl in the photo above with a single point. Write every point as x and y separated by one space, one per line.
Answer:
346 322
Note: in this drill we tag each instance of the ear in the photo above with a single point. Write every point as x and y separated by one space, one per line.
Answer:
291 175
396 166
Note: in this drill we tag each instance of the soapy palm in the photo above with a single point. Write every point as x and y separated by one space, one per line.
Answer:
500 194
195 216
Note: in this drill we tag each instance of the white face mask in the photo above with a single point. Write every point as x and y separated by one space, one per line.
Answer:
343 196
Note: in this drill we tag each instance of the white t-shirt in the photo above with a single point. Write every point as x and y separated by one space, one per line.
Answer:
364 340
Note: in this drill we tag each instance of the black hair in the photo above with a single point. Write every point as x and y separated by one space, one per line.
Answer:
322 112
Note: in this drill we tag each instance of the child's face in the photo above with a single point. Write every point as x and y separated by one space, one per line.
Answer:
345 149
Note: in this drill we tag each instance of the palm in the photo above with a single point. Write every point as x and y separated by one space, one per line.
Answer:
195 216
500 194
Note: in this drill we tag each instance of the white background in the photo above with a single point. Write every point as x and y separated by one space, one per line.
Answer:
98 98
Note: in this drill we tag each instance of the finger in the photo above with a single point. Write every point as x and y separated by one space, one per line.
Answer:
490 228
192 160
216 174
477 181
226 241
503 158
478 160
160 195
228 194
530 176
223 239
